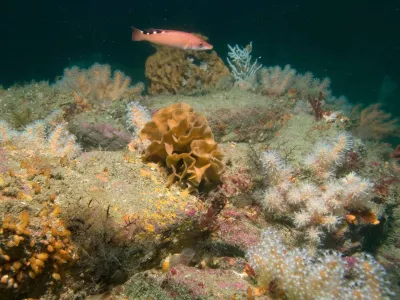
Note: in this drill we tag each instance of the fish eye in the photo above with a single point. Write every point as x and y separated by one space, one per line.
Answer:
201 45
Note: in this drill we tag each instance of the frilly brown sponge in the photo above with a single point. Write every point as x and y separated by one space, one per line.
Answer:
174 71
183 140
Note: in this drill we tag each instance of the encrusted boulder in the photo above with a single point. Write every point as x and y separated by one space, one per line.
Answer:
175 71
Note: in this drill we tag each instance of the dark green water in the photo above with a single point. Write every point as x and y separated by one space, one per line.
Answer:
355 43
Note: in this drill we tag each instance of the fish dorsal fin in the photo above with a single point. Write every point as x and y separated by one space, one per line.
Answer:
153 31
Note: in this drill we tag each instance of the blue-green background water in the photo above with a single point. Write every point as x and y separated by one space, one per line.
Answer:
355 43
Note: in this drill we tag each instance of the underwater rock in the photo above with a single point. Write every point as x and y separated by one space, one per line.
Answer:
234 115
183 282
237 231
180 71
243 175
114 201
116 209
95 131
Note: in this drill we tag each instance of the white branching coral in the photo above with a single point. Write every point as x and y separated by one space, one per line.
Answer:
320 204
274 80
240 62
98 83
299 275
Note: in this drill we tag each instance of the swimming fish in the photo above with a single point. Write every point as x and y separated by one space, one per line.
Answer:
171 38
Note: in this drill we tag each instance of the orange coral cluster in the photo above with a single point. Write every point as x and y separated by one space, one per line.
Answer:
96 84
32 246
183 140
364 217
173 70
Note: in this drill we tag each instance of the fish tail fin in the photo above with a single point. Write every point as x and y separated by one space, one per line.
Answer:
137 35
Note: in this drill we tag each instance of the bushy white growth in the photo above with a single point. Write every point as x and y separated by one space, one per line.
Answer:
272 162
329 155
330 222
316 207
6 134
275 169
61 143
314 235
326 276
274 201
42 138
137 116
34 135
356 191
302 218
